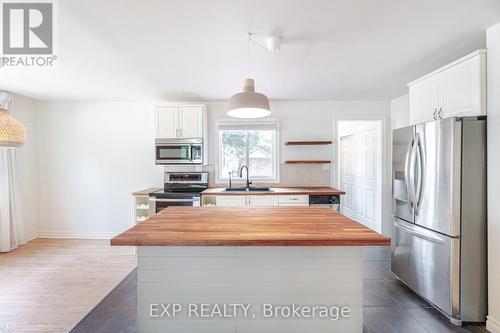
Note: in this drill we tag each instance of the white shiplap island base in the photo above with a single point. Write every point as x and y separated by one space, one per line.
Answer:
181 279
293 269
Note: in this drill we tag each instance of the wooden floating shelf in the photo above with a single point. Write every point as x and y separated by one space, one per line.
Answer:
308 162
304 143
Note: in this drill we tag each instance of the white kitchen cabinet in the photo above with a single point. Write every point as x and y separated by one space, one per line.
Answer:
462 89
424 100
231 200
458 89
263 200
167 122
179 121
270 200
191 122
293 200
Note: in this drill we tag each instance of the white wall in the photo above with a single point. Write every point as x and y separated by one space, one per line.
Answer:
23 109
348 127
400 111
493 44
92 157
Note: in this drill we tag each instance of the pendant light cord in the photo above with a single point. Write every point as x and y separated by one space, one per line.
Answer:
248 54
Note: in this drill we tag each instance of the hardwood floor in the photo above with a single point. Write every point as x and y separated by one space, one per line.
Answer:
388 305
49 285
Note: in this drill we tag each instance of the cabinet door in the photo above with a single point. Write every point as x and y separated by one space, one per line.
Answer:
191 122
263 200
293 200
460 89
423 100
231 200
167 122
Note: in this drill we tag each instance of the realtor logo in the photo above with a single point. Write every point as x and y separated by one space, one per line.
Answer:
27 28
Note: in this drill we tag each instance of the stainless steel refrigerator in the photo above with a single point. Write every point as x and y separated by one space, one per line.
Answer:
438 245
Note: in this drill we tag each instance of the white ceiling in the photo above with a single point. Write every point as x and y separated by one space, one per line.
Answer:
196 50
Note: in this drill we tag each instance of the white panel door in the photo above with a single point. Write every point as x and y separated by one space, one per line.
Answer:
346 175
191 122
424 100
359 177
167 119
460 89
370 148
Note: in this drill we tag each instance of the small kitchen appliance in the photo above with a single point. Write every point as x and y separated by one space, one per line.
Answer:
179 151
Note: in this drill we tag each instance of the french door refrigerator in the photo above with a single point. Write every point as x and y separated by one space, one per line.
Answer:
438 245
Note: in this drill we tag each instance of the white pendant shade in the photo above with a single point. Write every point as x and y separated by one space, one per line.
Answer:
248 104
12 132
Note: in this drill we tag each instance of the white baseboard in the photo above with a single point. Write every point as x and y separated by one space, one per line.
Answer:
78 235
492 325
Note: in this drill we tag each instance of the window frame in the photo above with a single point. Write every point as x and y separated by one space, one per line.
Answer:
239 124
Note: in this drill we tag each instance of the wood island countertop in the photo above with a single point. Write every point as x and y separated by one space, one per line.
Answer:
249 226
276 190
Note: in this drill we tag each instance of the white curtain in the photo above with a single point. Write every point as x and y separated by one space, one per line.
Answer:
12 233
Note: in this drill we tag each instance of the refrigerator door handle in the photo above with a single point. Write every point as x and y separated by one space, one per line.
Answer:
417 164
408 182
425 234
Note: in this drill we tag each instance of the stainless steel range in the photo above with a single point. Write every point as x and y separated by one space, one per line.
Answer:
180 189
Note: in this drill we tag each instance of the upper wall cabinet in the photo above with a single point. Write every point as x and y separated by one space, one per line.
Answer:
458 89
179 121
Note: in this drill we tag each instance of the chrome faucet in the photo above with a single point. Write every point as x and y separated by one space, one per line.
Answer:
241 174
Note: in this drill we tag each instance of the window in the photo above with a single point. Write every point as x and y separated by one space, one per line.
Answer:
253 144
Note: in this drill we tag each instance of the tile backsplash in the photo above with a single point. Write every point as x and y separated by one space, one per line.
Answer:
291 175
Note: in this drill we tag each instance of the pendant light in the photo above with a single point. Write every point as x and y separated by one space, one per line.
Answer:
248 104
12 132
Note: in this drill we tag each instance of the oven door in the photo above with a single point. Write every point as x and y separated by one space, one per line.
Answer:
158 204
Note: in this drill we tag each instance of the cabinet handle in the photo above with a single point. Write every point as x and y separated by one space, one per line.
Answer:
440 113
180 132
435 112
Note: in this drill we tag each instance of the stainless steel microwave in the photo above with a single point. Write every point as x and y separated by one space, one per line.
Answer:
179 151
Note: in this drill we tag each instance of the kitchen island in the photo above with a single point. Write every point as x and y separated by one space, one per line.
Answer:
243 269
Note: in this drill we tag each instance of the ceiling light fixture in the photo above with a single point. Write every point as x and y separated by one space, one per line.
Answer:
273 44
248 104
12 132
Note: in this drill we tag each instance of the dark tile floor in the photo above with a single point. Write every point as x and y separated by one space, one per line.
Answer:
389 306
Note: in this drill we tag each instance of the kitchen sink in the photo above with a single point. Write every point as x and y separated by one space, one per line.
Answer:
250 189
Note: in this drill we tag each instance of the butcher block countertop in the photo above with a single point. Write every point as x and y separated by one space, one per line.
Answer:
249 226
276 190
